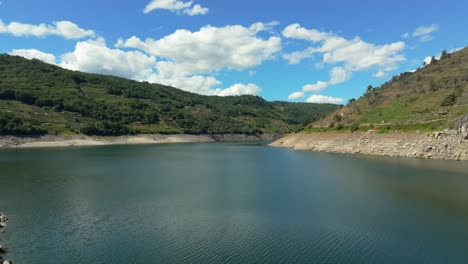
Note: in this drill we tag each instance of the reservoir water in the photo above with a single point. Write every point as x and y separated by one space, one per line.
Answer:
230 203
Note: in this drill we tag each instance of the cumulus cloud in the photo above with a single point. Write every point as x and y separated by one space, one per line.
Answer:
296 96
240 89
295 31
65 29
317 87
355 54
185 58
211 48
346 55
180 7
322 99
297 56
94 56
200 84
196 10
337 75
34 54
423 32
380 74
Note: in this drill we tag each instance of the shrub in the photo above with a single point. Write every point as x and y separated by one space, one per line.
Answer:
354 127
25 97
7 94
449 100
337 118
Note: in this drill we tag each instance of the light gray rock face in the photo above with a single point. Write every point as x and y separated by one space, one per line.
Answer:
447 144
462 126
3 250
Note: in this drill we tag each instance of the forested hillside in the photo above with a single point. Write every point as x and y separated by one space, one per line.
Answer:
429 99
38 98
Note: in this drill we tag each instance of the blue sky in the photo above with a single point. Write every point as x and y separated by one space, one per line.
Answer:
315 51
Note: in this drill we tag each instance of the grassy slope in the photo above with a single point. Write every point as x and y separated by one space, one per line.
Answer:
59 101
410 101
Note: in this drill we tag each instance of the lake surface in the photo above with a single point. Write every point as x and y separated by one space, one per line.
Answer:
230 203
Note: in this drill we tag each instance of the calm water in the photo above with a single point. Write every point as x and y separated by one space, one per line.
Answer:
230 203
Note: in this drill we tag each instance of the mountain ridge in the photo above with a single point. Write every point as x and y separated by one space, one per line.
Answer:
428 99
39 98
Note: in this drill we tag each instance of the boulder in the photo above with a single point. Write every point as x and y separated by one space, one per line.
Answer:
3 218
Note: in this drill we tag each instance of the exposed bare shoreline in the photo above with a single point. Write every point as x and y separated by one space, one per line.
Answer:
448 144
81 140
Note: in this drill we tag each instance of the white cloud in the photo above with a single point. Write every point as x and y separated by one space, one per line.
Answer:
196 10
180 7
322 99
425 30
200 84
426 38
34 54
65 29
210 49
380 74
240 89
339 75
295 31
94 56
346 55
296 96
354 54
196 84
185 57
297 56
317 87
357 55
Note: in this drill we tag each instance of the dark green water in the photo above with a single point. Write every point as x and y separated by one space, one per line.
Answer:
230 203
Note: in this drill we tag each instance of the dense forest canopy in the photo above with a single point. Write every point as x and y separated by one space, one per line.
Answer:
38 98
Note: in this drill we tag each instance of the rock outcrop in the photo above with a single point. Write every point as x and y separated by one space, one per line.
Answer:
461 125
447 144
3 220
3 250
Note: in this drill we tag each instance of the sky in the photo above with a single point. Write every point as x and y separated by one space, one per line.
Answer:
295 50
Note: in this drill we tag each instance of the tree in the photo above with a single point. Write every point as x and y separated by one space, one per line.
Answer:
445 55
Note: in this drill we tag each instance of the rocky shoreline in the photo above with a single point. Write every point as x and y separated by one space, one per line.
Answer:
82 140
3 250
448 144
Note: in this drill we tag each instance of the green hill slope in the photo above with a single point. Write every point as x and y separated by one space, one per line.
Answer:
38 98
431 98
